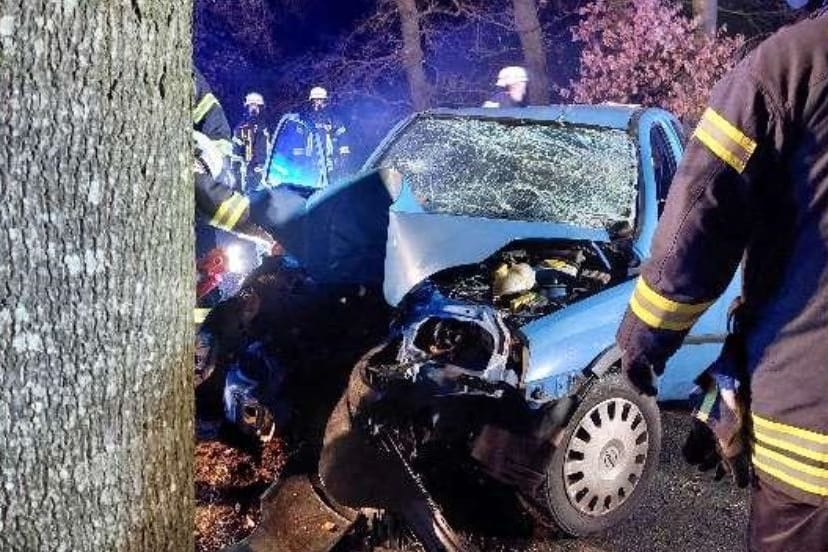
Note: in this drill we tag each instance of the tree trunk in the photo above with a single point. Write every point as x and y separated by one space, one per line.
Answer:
413 58
96 269
534 52
706 11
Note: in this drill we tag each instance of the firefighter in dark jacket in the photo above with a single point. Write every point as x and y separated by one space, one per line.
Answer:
216 201
250 143
328 140
513 81
753 187
208 116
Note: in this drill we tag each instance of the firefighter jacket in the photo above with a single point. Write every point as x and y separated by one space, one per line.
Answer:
503 99
328 141
208 116
215 198
753 186
250 142
223 208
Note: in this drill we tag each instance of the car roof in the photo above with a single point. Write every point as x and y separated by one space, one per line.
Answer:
604 115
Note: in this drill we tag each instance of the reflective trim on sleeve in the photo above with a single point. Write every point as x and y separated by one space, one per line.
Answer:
725 140
203 108
662 313
491 104
230 211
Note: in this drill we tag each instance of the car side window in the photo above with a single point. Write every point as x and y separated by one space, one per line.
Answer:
664 163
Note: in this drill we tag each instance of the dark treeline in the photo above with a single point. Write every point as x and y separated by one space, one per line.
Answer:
382 58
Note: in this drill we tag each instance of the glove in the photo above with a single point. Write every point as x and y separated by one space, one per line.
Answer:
702 449
642 375
716 439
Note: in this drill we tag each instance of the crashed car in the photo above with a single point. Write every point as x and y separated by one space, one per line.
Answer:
507 252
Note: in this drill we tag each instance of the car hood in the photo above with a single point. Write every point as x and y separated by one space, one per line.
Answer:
371 230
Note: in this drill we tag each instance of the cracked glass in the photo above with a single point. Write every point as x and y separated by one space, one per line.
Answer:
519 170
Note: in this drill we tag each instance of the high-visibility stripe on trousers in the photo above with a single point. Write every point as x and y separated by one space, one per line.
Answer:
791 455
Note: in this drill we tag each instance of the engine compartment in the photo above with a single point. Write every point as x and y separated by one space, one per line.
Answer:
530 279
467 319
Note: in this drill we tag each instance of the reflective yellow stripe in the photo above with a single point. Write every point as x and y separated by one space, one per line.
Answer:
791 463
654 321
725 140
222 210
805 434
659 312
668 304
720 151
731 131
200 315
237 212
204 107
790 447
230 211
790 479
707 405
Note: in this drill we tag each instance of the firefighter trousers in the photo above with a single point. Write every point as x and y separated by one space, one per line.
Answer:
781 523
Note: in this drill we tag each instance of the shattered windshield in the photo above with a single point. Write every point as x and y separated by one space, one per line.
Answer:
519 170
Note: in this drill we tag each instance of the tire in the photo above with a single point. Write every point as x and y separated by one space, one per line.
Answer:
598 475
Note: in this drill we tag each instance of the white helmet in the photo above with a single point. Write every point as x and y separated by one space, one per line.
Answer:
511 75
318 93
254 98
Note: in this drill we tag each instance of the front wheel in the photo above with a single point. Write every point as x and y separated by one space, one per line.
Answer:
608 454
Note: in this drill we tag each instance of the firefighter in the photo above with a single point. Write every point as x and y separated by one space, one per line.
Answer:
215 197
328 138
514 81
208 116
223 208
216 200
753 187
250 143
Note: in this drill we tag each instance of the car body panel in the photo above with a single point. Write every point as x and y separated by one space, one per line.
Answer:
562 344
422 244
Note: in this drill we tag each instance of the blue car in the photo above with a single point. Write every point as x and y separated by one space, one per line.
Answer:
507 243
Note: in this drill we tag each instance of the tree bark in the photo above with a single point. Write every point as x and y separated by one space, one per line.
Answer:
413 58
706 11
96 269
534 52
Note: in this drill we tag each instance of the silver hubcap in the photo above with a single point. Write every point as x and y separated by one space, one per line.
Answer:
605 457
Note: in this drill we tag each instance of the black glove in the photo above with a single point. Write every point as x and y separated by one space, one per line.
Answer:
702 449
642 376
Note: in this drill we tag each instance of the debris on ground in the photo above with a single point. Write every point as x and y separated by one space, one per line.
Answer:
229 480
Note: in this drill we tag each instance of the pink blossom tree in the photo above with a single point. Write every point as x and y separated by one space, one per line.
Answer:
646 52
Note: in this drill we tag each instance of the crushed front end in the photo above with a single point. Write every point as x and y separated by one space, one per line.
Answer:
450 375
